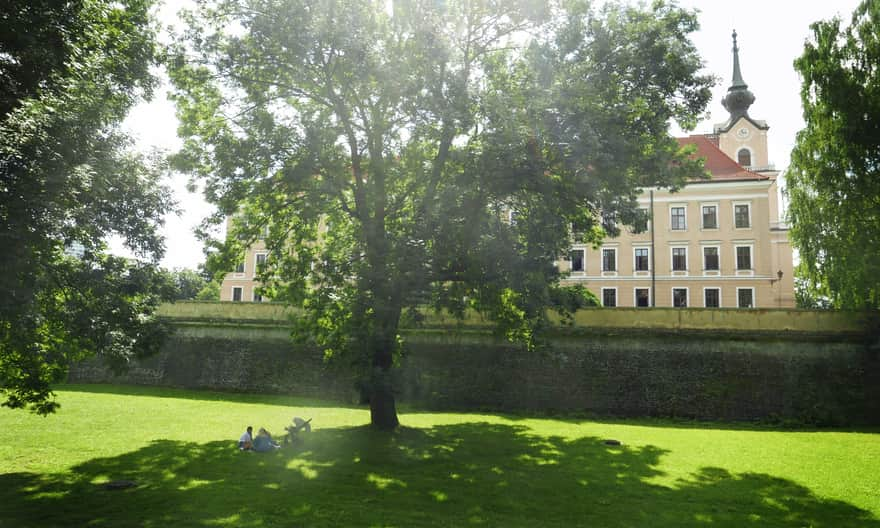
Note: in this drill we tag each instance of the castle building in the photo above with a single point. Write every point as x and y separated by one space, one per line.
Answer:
716 243
242 284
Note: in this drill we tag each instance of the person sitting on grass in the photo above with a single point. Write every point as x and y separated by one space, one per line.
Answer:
293 431
263 442
247 439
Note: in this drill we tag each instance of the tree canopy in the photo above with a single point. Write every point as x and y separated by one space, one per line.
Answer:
423 153
69 72
188 284
834 179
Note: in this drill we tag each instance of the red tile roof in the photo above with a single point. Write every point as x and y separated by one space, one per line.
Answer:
719 164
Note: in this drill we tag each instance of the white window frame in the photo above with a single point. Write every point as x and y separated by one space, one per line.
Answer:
511 216
707 272
733 210
644 271
240 295
583 261
615 271
240 274
754 300
672 269
744 272
687 297
608 219
616 298
636 297
256 257
717 216
254 296
677 206
647 213
718 289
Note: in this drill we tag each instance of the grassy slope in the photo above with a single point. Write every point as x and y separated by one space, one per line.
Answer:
438 470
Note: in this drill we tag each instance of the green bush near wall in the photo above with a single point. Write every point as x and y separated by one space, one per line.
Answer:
698 374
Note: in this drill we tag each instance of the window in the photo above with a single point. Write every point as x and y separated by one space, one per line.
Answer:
641 259
744 157
511 217
743 257
577 260
679 259
609 259
609 297
257 296
710 217
236 294
712 298
679 297
643 299
742 217
745 297
710 258
678 218
259 261
641 223
609 221
239 268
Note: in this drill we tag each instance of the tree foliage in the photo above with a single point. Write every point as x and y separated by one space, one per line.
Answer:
69 72
834 178
188 284
434 155
209 292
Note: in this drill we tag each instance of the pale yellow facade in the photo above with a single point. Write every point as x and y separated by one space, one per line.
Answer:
692 257
241 285
749 136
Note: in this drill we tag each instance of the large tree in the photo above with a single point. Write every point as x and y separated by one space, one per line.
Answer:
69 72
416 152
834 178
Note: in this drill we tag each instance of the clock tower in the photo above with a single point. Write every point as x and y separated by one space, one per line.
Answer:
742 138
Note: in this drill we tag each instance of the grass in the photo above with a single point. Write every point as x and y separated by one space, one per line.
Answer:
440 469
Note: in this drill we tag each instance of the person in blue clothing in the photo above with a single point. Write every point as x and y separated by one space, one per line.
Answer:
263 442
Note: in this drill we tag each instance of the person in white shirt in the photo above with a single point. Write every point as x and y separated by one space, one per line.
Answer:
247 439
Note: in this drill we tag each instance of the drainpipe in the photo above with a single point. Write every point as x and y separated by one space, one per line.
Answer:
653 253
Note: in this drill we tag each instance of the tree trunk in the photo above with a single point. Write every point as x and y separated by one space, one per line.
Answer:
383 412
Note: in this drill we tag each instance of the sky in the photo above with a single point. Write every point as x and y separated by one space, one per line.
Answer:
770 35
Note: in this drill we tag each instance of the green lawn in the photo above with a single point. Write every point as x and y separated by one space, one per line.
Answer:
440 469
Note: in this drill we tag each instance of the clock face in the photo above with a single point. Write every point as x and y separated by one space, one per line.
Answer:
742 133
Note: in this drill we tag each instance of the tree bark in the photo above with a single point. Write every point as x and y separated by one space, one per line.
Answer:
383 411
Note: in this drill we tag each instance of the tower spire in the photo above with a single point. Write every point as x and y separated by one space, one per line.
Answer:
737 75
738 98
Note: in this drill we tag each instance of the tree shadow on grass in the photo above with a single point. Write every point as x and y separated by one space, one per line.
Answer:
473 474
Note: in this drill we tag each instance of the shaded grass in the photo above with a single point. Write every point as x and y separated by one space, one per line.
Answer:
438 470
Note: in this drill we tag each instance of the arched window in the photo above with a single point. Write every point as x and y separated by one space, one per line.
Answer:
744 157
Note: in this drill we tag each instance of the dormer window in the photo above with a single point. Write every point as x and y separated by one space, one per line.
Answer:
744 157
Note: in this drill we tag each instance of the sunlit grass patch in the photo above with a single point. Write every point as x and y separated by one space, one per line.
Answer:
438 469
